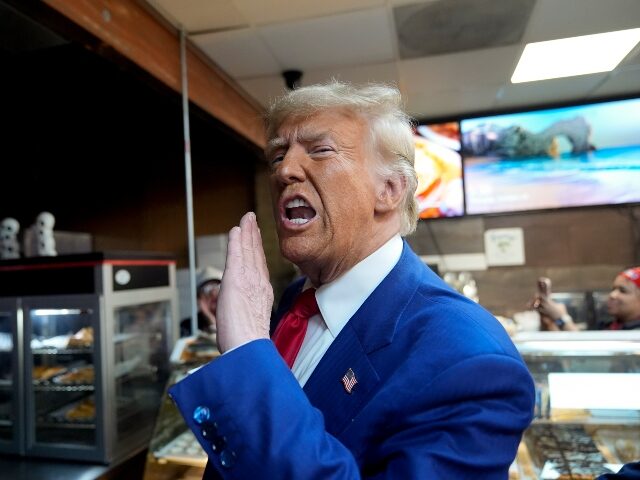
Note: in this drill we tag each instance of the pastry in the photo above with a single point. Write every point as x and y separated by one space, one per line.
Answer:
82 338
78 376
82 412
43 373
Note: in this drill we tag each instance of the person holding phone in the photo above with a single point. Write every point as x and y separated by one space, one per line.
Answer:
623 304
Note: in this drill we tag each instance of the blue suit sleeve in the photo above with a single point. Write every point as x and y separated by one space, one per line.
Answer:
260 423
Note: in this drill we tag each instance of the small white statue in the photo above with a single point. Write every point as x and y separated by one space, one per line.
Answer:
46 242
9 246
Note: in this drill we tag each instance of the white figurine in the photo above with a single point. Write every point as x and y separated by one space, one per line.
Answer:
9 246
46 243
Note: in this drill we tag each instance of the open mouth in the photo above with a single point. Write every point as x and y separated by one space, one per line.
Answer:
298 211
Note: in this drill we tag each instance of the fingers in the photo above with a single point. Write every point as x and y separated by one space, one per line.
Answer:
253 251
234 251
247 224
261 260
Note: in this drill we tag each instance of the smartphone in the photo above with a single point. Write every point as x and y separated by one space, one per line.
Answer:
544 286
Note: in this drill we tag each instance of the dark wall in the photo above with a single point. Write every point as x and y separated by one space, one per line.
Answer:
101 148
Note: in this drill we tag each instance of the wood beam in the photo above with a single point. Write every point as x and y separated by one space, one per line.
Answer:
134 32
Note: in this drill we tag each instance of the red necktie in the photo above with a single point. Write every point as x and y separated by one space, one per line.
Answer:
292 328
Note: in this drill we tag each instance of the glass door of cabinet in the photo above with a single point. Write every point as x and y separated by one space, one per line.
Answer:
141 366
63 376
11 392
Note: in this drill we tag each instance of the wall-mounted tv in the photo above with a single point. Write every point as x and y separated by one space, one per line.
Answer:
561 157
439 168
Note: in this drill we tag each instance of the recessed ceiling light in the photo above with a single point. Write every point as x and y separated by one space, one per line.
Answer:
572 56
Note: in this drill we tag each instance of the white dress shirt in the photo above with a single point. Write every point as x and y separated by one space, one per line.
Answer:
338 301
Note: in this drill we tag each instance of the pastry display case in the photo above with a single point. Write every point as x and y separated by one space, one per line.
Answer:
84 353
587 414
174 452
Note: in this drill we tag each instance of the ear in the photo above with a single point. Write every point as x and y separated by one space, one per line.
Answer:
390 193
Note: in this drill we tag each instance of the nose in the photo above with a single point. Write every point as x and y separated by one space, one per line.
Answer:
291 167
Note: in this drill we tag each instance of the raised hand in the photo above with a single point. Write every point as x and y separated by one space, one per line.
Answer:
246 296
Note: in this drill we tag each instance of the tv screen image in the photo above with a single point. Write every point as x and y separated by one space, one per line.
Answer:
555 158
438 166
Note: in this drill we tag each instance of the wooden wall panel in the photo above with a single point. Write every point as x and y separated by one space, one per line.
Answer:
139 36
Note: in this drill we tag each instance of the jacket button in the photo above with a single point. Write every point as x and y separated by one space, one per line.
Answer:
209 430
227 458
218 443
201 414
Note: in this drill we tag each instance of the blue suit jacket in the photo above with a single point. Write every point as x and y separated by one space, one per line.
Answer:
441 393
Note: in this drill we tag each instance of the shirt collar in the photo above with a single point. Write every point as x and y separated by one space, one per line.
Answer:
341 298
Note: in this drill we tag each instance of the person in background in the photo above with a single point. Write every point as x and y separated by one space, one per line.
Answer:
623 304
377 368
208 280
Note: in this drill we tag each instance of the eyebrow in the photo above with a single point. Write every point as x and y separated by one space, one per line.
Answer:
301 135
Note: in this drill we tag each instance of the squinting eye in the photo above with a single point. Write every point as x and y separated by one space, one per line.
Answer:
323 149
276 159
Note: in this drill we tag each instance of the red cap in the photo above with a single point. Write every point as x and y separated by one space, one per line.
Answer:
632 274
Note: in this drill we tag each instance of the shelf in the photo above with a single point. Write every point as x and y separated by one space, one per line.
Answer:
63 388
6 383
124 368
123 337
66 426
62 351
5 423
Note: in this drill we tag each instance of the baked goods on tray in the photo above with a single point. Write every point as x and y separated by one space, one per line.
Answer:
83 338
200 349
84 411
42 373
77 376
565 452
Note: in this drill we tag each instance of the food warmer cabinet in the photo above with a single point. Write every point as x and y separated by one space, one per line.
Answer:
84 353
587 413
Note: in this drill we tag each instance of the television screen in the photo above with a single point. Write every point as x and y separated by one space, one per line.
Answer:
439 169
562 157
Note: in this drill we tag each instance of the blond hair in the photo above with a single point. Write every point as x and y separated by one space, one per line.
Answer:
390 128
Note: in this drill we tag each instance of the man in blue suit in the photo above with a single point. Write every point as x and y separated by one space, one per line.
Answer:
381 370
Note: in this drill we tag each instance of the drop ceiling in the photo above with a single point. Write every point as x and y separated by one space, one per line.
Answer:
448 57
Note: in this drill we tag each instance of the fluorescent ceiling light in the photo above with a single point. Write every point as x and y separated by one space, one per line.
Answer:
572 56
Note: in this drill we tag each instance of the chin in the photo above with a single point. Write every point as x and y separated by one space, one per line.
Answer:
296 250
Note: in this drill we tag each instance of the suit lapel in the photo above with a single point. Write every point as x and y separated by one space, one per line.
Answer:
358 338
325 389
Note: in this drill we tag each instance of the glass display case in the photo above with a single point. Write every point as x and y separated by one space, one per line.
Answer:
174 452
587 414
11 435
83 369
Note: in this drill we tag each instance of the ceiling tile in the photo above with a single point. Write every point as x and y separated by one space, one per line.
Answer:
632 60
260 12
264 89
459 25
355 38
201 15
240 53
465 69
376 73
557 90
450 102
619 83
396 3
553 19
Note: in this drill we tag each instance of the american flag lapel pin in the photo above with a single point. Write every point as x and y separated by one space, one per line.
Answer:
349 381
